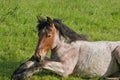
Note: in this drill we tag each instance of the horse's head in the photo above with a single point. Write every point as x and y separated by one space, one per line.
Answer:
46 33
51 33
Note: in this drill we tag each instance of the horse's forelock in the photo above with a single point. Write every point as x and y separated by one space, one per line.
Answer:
42 24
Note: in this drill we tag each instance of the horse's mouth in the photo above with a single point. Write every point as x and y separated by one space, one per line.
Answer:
39 58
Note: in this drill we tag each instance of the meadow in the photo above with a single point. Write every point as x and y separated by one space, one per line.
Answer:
97 19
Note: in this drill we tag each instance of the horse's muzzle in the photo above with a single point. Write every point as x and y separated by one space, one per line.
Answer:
40 56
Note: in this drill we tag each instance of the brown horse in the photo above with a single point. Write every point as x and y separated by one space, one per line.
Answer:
46 29
71 53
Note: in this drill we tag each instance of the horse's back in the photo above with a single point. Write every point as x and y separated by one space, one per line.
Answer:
95 57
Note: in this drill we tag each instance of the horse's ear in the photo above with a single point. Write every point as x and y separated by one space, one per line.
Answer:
39 18
49 20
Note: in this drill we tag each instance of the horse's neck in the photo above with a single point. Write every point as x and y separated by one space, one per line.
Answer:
63 49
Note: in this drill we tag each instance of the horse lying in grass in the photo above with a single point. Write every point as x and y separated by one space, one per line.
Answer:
70 53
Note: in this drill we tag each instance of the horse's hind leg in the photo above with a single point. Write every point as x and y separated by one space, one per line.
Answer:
117 54
117 58
114 67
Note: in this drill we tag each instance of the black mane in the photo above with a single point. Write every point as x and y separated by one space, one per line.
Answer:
64 31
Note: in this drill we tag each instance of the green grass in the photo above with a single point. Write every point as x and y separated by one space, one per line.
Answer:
98 19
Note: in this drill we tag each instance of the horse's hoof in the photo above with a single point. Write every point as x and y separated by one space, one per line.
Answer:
17 77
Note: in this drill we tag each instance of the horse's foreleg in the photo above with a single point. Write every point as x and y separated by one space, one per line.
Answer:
25 66
27 72
26 69
56 67
60 68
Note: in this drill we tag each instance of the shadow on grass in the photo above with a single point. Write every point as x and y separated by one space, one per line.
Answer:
7 68
48 75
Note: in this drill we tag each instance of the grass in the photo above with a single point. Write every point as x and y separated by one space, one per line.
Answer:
98 19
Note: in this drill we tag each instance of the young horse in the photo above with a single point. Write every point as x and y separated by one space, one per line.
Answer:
71 54
32 65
